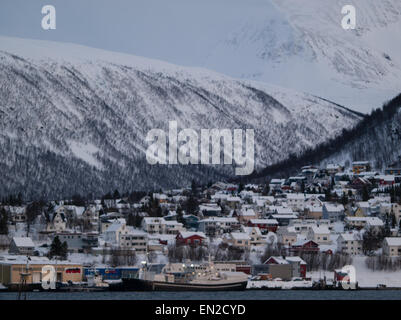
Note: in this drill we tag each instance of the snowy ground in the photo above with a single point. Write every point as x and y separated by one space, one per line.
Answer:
278 284
364 276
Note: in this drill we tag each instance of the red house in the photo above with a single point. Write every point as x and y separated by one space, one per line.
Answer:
244 268
270 225
190 238
307 246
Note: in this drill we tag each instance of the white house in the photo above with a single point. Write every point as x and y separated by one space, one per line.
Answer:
173 227
333 212
319 234
58 221
113 233
256 237
134 239
153 225
350 243
296 201
392 246
238 239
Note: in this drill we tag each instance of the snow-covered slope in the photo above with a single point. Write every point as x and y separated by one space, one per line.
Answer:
301 44
377 138
379 141
74 119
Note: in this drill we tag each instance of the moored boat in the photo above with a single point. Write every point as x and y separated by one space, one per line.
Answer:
181 277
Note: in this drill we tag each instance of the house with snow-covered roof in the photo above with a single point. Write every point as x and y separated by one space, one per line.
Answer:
314 212
210 210
22 246
296 201
265 225
234 202
255 235
218 225
134 239
173 227
319 234
191 238
374 223
16 213
333 211
238 239
350 243
287 235
113 232
246 215
279 268
298 266
392 246
153 225
58 220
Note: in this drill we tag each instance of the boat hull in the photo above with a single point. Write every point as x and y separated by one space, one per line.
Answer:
146 285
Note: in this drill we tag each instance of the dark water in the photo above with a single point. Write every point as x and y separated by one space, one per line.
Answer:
240 295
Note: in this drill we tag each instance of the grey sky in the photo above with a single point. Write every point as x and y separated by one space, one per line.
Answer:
151 28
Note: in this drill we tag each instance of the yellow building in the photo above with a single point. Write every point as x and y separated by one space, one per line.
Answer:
360 166
12 266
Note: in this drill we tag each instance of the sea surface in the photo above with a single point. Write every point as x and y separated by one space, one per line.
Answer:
221 295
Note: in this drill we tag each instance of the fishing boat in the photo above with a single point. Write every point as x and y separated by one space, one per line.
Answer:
184 277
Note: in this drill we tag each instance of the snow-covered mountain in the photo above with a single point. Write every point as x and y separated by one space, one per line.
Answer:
298 44
302 45
74 119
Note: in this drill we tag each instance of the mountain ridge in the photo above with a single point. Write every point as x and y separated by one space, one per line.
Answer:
79 125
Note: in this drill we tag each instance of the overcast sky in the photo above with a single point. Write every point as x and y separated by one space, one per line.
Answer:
132 26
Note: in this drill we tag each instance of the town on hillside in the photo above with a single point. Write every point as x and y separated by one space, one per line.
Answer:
300 230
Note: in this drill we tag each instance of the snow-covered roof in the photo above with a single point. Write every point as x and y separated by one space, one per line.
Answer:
153 220
277 181
278 260
355 219
249 230
283 210
374 222
263 221
363 204
220 219
23 242
295 259
320 229
132 231
334 207
239 236
393 241
295 196
20 259
315 208
115 226
187 234
284 216
248 213
353 236
234 199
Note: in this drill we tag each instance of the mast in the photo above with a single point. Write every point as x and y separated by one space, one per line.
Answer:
23 277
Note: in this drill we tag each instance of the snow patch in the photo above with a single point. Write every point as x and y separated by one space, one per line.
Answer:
86 153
